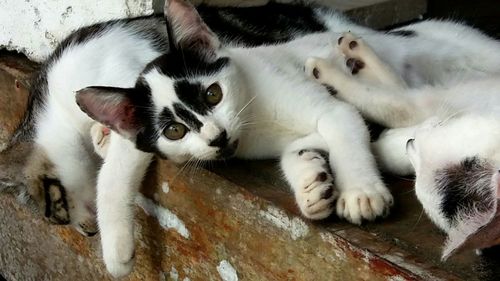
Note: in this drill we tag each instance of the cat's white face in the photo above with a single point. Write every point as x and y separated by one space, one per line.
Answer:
456 179
197 115
187 104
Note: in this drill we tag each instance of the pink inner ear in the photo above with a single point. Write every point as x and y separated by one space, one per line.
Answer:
112 109
189 28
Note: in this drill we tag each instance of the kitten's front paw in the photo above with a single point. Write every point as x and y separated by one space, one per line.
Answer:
358 204
118 253
100 139
315 192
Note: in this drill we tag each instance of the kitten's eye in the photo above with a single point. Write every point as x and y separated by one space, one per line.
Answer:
213 94
175 131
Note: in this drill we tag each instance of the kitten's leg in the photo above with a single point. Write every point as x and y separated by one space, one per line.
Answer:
390 151
118 182
362 60
363 195
45 188
75 168
390 107
306 168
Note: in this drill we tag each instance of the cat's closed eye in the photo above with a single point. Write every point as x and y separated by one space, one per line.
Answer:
214 94
175 131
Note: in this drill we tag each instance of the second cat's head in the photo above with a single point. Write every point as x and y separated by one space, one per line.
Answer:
457 179
186 104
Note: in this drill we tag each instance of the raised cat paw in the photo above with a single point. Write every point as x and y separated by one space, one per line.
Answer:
354 50
314 190
100 138
357 204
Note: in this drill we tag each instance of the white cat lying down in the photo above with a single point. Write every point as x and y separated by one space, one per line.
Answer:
448 135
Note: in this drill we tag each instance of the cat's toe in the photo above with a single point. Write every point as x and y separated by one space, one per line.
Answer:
318 202
88 227
356 205
314 67
352 48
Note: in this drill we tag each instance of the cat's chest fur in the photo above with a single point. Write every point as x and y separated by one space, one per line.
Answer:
284 102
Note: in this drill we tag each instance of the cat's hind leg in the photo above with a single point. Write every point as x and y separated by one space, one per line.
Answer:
75 166
389 106
306 167
44 187
361 60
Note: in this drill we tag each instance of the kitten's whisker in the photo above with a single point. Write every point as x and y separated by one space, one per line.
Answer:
245 106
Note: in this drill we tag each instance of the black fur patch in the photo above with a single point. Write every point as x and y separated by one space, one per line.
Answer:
463 188
147 136
192 95
185 115
165 118
178 65
253 26
403 33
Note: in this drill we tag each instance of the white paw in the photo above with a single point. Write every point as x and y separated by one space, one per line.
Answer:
314 190
118 253
354 50
100 135
357 204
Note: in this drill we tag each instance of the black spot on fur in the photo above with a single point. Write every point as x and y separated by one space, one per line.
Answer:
266 24
462 187
179 65
403 33
192 95
331 90
188 117
52 207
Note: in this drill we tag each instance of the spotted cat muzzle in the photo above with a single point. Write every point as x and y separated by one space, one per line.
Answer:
226 149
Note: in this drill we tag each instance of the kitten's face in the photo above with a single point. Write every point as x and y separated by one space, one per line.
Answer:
196 111
186 104
456 181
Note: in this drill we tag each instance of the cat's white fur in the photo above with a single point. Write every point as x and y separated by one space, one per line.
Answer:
266 86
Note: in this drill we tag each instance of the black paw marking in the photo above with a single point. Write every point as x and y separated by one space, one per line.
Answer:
331 90
327 193
340 40
353 44
56 204
322 177
354 65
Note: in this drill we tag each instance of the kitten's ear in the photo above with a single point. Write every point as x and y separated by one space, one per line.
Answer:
479 228
187 31
112 107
